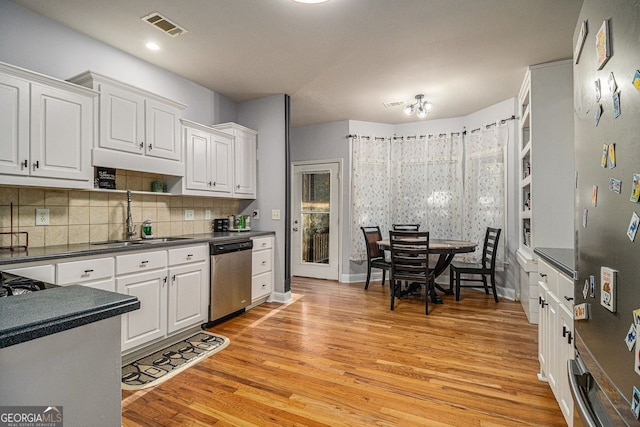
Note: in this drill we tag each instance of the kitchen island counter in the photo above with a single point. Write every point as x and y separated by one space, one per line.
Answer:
37 314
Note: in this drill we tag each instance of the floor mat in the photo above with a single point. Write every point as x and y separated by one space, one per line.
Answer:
157 367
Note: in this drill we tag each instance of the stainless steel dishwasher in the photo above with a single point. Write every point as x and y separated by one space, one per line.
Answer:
230 278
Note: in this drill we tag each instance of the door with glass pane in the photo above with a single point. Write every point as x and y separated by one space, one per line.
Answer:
314 228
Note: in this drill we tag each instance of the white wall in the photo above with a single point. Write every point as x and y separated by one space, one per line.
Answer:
267 117
39 44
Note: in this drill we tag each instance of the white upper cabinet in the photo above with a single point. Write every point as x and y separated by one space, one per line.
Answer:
46 130
244 172
208 161
138 129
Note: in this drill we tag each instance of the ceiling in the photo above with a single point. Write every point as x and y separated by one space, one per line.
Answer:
342 59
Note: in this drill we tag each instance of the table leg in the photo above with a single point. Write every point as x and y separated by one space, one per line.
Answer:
443 263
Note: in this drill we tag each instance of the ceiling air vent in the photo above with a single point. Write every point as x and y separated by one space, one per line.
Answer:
164 24
393 104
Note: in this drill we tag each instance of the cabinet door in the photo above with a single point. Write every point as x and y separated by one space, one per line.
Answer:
198 158
150 321
14 126
221 163
121 120
553 363
188 296
543 329
565 353
162 130
245 164
61 134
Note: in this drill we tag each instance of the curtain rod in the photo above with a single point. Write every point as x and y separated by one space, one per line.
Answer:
503 121
401 138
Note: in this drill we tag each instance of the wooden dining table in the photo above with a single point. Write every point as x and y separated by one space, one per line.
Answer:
446 250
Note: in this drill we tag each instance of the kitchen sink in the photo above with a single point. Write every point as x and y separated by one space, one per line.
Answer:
123 243
161 240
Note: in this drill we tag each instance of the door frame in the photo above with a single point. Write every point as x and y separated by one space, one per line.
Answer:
339 202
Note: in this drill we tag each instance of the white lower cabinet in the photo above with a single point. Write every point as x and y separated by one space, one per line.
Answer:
555 334
261 268
188 287
173 292
150 321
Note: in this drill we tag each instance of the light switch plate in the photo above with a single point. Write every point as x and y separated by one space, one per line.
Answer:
42 216
275 214
207 214
189 215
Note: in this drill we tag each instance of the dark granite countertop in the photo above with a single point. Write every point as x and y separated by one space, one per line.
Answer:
87 249
38 314
560 258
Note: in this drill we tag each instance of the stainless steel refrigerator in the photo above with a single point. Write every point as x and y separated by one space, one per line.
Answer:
607 253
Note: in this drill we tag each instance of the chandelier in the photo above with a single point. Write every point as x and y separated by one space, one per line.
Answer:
420 108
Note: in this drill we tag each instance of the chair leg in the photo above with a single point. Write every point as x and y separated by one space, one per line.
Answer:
451 278
493 286
366 286
457 286
484 282
384 273
392 293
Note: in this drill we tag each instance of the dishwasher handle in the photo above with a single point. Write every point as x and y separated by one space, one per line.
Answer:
223 248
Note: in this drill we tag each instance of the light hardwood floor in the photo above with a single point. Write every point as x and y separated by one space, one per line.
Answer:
337 356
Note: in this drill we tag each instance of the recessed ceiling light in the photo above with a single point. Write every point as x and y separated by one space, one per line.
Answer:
152 46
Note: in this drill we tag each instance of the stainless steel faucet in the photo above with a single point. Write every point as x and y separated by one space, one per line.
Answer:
131 227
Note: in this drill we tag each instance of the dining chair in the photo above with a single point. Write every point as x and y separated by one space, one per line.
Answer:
410 263
375 255
487 267
405 227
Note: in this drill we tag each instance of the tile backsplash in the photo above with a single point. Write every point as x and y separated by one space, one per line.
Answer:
92 216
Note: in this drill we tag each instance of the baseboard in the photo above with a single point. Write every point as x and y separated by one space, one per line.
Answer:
281 297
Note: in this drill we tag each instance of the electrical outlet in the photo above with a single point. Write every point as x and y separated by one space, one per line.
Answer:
189 215
42 216
275 214
256 214
207 214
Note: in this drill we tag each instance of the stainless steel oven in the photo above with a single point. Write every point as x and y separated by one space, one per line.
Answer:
230 278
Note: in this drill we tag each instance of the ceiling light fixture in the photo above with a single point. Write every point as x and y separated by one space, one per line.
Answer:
152 46
420 108
310 1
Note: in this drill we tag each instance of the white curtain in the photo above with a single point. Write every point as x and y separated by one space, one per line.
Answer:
484 188
369 191
426 184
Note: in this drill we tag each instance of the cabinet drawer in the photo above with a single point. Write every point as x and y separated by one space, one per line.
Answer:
260 262
105 285
45 273
260 243
548 275
73 272
188 254
261 285
142 261
565 290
